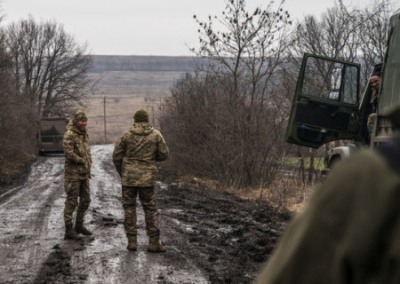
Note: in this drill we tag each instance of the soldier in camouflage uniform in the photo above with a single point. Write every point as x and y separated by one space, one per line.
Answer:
134 158
78 162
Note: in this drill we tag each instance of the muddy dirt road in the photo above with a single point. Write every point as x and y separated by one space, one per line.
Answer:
211 237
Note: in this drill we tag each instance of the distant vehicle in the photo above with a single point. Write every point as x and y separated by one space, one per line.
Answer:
50 137
327 107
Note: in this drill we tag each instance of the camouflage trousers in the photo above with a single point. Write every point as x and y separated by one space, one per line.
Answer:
76 189
146 196
371 122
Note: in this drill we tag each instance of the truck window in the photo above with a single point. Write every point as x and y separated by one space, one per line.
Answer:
350 85
325 106
329 80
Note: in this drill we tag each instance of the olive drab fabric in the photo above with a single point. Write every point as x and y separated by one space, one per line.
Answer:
141 116
78 160
349 232
135 155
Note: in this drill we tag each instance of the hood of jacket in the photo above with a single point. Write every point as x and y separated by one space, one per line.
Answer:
141 128
72 127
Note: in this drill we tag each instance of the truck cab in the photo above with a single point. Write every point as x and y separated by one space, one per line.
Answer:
328 106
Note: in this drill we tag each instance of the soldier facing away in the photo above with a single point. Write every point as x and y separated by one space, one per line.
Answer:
134 158
78 162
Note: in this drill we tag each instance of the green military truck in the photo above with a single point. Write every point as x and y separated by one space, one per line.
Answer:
50 136
327 105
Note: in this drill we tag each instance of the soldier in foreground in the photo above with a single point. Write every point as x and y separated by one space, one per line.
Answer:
350 230
134 158
78 162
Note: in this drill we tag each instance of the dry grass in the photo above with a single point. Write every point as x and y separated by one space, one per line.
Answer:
285 194
125 92
119 115
11 169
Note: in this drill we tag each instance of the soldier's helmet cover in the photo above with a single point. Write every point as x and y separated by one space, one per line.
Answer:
79 115
141 116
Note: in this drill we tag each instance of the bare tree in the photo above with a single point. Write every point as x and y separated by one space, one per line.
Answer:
374 34
248 45
346 33
227 118
17 125
198 121
50 68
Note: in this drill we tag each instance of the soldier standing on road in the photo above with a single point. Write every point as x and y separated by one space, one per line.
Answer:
134 158
78 162
350 230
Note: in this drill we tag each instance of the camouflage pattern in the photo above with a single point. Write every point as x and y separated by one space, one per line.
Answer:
74 190
146 196
79 115
371 122
78 159
134 158
349 232
135 155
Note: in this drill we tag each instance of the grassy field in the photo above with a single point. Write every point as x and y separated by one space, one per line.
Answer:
154 83
125 92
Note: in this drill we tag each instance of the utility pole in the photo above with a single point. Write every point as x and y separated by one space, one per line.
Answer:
105 127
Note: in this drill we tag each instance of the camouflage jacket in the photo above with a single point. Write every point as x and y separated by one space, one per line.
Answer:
78 159
135 155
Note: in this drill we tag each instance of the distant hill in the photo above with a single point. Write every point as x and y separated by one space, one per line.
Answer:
128 83
105 63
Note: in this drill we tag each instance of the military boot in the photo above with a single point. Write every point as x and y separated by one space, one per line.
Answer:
132 243
70 233
155 246
80 229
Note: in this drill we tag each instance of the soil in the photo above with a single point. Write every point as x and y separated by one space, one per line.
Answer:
211 236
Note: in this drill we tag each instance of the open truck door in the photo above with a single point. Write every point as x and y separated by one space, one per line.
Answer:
326 103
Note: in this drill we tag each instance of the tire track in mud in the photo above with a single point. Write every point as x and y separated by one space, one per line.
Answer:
229 238
24 212
211 237
115 264
103 258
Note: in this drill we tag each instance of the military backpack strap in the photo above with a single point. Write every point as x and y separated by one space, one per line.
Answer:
391 152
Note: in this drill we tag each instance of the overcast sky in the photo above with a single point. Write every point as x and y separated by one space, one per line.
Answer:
142 27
